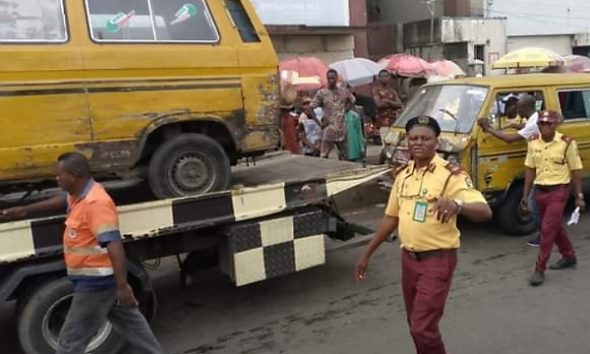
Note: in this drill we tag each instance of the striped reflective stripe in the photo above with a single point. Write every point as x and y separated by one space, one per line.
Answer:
106 228
86 251
98 271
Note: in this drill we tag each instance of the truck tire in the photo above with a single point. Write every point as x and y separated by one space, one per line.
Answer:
188 164
42 314
510 217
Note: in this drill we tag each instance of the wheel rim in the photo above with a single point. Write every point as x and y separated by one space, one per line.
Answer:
191 173
55 317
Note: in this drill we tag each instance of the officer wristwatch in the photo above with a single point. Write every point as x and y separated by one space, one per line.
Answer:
459 205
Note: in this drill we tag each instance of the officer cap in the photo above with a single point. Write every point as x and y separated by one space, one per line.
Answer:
425 122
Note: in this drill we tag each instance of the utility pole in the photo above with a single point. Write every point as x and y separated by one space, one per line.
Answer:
488 9
431 5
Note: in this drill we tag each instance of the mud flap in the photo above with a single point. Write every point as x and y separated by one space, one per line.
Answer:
261 249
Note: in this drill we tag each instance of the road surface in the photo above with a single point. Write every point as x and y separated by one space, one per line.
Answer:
491 308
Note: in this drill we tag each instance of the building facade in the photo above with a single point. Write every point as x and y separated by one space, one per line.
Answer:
466 30
465 40
542 23
302 27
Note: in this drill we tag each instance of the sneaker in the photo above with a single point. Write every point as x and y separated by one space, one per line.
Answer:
535 242
564 263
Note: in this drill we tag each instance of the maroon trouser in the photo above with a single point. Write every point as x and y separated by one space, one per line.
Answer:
426 284
551 205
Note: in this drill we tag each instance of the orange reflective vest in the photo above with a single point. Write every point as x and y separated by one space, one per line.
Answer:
92 217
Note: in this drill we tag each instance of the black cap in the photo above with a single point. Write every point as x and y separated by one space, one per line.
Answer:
423 121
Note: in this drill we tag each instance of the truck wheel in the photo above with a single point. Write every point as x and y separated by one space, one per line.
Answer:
511 218
188 164
42 314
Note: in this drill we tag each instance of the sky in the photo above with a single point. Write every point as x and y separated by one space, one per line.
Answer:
531 17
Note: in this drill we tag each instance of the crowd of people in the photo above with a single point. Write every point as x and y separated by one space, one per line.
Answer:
335 117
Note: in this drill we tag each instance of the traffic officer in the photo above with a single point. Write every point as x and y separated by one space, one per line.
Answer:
552 161
95 261
426 198
525 108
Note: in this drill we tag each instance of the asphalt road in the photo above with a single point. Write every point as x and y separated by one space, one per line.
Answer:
491 308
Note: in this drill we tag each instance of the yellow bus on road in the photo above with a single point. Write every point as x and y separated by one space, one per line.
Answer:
496 167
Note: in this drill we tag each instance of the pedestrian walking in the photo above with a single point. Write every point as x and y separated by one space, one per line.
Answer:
331 99
525 107
427 196
355 142
552 162
95 261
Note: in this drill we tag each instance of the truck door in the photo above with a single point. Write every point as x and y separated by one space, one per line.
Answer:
499 163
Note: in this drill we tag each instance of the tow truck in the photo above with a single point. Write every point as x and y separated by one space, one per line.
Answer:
272 222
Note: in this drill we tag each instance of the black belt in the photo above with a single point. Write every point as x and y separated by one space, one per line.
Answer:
551 188
418 256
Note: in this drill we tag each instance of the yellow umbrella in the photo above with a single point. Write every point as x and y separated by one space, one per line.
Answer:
529 57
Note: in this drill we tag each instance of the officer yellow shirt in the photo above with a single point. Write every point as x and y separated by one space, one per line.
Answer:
553 164
416 189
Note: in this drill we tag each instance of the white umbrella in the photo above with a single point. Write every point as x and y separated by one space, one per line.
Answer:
437 78
357 71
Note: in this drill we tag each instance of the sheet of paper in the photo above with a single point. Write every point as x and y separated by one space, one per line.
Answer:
575 217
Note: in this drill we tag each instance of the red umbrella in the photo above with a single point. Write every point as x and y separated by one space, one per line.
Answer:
577 63
447 68
406 65
305 73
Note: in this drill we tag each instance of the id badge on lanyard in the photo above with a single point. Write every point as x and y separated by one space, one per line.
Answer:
420 211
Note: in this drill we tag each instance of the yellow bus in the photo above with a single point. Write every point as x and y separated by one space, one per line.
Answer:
497 167
175 91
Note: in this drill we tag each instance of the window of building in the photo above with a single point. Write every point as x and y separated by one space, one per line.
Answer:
179 21
575 104
23 21
242 21
479 52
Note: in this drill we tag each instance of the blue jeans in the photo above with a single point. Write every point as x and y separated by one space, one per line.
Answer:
534 210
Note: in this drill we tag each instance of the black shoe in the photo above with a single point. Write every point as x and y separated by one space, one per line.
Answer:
537 278
535 242
564 263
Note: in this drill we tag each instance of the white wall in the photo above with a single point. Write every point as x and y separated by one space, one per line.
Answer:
488 32
478 30
329 48
538 17
582 39
559 44
303 12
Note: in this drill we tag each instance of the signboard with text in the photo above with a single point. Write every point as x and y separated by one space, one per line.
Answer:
303 12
